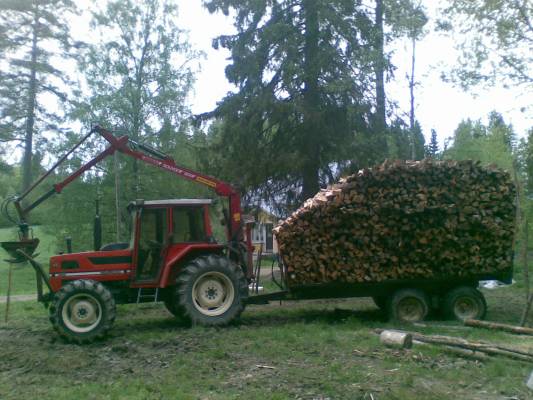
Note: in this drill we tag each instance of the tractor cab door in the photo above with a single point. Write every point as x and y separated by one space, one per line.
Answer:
152 231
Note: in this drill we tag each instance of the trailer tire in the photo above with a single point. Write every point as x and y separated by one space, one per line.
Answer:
212 290
82 311
408 305
464 302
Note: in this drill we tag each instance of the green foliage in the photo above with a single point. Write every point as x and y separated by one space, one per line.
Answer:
31 78
139 73
402 139
491 144
138 76
497 37
302 70
406 18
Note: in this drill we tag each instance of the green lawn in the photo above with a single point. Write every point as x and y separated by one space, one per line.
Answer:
304 350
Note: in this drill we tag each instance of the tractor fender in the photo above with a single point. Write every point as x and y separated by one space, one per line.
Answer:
180 255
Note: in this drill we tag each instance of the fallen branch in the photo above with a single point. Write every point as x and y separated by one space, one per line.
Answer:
487 348
497 326
471 354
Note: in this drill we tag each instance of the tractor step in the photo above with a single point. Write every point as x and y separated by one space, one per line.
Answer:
149 295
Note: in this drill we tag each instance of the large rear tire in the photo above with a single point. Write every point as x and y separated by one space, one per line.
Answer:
82 311
212 290
463 303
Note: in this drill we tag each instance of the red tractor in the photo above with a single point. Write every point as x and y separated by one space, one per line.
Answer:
171 256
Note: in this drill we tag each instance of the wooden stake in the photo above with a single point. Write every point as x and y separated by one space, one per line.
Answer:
529 297
8 297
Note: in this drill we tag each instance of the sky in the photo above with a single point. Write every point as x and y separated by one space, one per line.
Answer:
439 105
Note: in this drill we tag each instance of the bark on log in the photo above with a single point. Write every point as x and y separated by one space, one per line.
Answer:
400 340
457 351
497 326
487 348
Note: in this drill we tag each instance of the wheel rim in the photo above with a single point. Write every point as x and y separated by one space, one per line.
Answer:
466 308
82 313
213 293
410 309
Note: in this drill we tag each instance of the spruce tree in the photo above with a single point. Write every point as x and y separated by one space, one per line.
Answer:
29 29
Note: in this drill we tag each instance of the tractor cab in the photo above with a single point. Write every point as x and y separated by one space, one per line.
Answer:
164 234
163 229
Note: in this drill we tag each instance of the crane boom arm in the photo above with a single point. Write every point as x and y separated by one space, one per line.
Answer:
148 155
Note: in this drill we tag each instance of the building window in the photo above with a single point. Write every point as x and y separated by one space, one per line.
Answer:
257 233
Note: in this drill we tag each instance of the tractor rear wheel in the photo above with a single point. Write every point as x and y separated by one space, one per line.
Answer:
172 303
82 311
212 290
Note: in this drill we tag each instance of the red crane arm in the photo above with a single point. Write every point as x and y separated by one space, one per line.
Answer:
148 155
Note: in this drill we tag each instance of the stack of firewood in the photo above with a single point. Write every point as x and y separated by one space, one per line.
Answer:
403 220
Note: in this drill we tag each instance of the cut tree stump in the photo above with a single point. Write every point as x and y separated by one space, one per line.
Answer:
400 340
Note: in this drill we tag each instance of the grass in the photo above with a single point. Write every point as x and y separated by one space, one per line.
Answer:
299 350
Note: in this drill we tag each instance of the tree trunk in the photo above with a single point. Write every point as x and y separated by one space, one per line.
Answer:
311 100
412 98
30 111
380 70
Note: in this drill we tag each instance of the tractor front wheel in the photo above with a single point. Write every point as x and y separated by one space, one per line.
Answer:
82 311
211 290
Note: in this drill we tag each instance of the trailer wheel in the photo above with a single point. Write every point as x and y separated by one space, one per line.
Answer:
408 305
212 290
82 311
464 303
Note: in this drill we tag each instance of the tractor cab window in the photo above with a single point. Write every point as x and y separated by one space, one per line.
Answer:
153 233
188 224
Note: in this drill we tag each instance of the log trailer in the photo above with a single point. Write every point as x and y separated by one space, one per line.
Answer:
172 257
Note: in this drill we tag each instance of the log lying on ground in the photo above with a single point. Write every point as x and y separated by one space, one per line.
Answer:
396 339
483 347
520 330
403 220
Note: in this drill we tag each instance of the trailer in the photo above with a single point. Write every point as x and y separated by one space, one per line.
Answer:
407 300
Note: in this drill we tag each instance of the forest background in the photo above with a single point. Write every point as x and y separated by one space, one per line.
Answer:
309 102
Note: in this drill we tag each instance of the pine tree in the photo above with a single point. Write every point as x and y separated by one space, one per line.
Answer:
31 72
302 69
433 146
